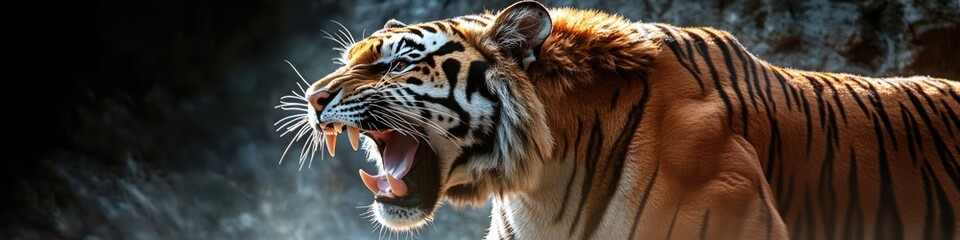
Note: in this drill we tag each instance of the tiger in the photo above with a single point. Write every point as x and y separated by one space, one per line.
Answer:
583 124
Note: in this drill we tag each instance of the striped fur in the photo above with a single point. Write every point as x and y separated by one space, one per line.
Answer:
621 129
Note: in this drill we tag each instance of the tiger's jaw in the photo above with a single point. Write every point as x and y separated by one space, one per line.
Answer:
407 188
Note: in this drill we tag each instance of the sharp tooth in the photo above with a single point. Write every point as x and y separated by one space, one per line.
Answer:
396 186
369 181
338 127
354 134
331 143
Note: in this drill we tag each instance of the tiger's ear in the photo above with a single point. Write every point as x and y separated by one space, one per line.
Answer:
520 30
393 23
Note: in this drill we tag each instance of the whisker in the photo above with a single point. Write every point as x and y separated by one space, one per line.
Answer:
443 132
290 117
298 73
343 36
352 40
330 36
301 124
416 118
399 103
406 129
303 153
294 139
288 104
393 123
293 108
426 121
303 89
293 97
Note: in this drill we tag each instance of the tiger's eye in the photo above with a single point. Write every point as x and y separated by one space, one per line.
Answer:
400 65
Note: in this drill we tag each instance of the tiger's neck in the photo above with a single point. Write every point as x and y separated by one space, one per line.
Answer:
594 107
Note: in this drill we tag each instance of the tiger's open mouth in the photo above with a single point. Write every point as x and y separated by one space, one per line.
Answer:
409 173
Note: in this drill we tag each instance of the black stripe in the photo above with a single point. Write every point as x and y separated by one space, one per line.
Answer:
705 52
888 223
946 122
784 87
951 114
791 87
704 224
774 151
728 61
614 99
856 97
785 203
928 213
507 227
428 29
818 92
672 222
912 129
877 101
415 31
956 97
926 97
615 160
566 196
836 96
809 120
477 81
810 225
672 43
745 65
914 139
414 44
482 147
474 19
774 147
779 188
756 81
827 196
443 27
947 159
452 22
691 56
398 45
594 143
947 221
769 92
853 227
643 203
765 211
451 69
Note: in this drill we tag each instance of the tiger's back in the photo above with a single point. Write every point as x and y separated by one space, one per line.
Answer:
845 156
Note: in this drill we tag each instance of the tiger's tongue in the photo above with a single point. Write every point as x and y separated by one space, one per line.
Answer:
397 159
398 154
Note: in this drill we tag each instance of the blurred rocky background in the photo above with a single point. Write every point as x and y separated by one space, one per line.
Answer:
154 119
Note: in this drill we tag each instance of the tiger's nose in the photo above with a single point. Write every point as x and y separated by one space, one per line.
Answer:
320 99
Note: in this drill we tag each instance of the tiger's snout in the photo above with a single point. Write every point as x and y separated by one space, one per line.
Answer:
319 99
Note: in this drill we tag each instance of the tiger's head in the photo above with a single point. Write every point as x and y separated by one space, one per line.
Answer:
445 108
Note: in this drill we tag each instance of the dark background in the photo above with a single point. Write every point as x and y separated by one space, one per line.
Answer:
154 119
